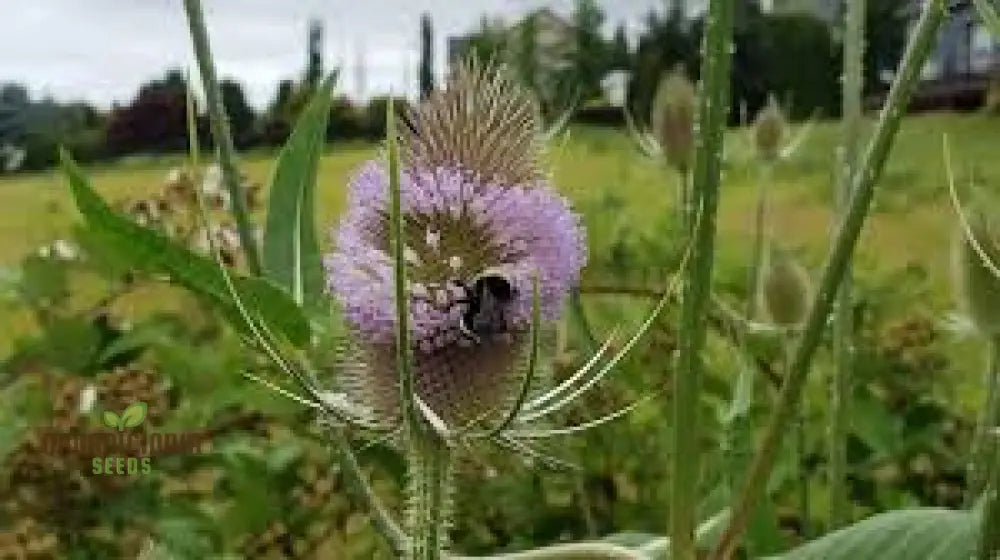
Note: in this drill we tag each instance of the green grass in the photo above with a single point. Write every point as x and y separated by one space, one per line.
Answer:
911 228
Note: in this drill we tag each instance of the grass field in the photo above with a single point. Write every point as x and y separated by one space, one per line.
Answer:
910 230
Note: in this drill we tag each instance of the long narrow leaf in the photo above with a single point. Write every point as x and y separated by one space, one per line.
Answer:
152 252
291 251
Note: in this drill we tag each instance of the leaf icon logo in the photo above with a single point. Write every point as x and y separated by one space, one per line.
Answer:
130 418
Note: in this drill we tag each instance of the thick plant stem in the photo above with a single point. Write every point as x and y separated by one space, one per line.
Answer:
712 117
843 327
220 131
761 237
428 497
862 190
986 460
982 463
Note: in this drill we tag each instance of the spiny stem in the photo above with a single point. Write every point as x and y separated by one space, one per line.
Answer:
862 190
712 117
843 327
428 486
220 131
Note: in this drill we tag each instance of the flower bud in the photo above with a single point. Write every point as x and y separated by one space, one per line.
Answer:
785 290
978 286
769 131
673 119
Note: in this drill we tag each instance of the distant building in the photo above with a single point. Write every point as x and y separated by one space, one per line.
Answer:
958 72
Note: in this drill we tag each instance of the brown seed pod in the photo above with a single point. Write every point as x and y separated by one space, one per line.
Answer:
673 119
785 290
978 286
769 131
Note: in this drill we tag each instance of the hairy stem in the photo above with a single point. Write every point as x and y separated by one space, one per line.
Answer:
843 327
220 131
428 497
712 116
862 190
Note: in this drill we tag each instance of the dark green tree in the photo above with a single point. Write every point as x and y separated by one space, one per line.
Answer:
426 71
241 115
885 38
590 51
620 55
526 53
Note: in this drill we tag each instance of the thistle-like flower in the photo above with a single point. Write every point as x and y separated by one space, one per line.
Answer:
673 116
785 290
481 223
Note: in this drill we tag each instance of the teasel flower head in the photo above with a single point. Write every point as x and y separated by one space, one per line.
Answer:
481 225
674 109
769 131
785 290
975 269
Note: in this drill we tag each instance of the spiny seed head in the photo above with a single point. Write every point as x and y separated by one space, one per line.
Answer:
978 287
769 131
673 118
482 121
785 290
479 224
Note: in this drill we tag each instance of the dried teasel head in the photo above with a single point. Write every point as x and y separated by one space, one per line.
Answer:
769 130
785 289
674 109
480 224
977 284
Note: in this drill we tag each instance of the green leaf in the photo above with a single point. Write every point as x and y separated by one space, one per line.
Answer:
291 251
133 415
928 533
990 16
152 252
110 419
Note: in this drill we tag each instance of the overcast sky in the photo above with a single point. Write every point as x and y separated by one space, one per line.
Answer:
101 50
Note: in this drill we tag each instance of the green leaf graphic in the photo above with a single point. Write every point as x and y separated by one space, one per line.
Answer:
133 415
110 419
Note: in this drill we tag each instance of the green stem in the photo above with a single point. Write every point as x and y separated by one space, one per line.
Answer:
986 460
220 131
862 190
843 328
380 516
428 492
984 443
712 116
760 239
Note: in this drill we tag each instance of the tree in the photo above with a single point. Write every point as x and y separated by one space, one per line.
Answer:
314 57
590 51
885 38
620 56
525 55
156 120
426 72
241 115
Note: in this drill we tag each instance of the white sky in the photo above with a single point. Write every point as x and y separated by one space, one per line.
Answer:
101 50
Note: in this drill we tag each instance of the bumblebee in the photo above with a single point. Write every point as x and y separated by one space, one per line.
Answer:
485 303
